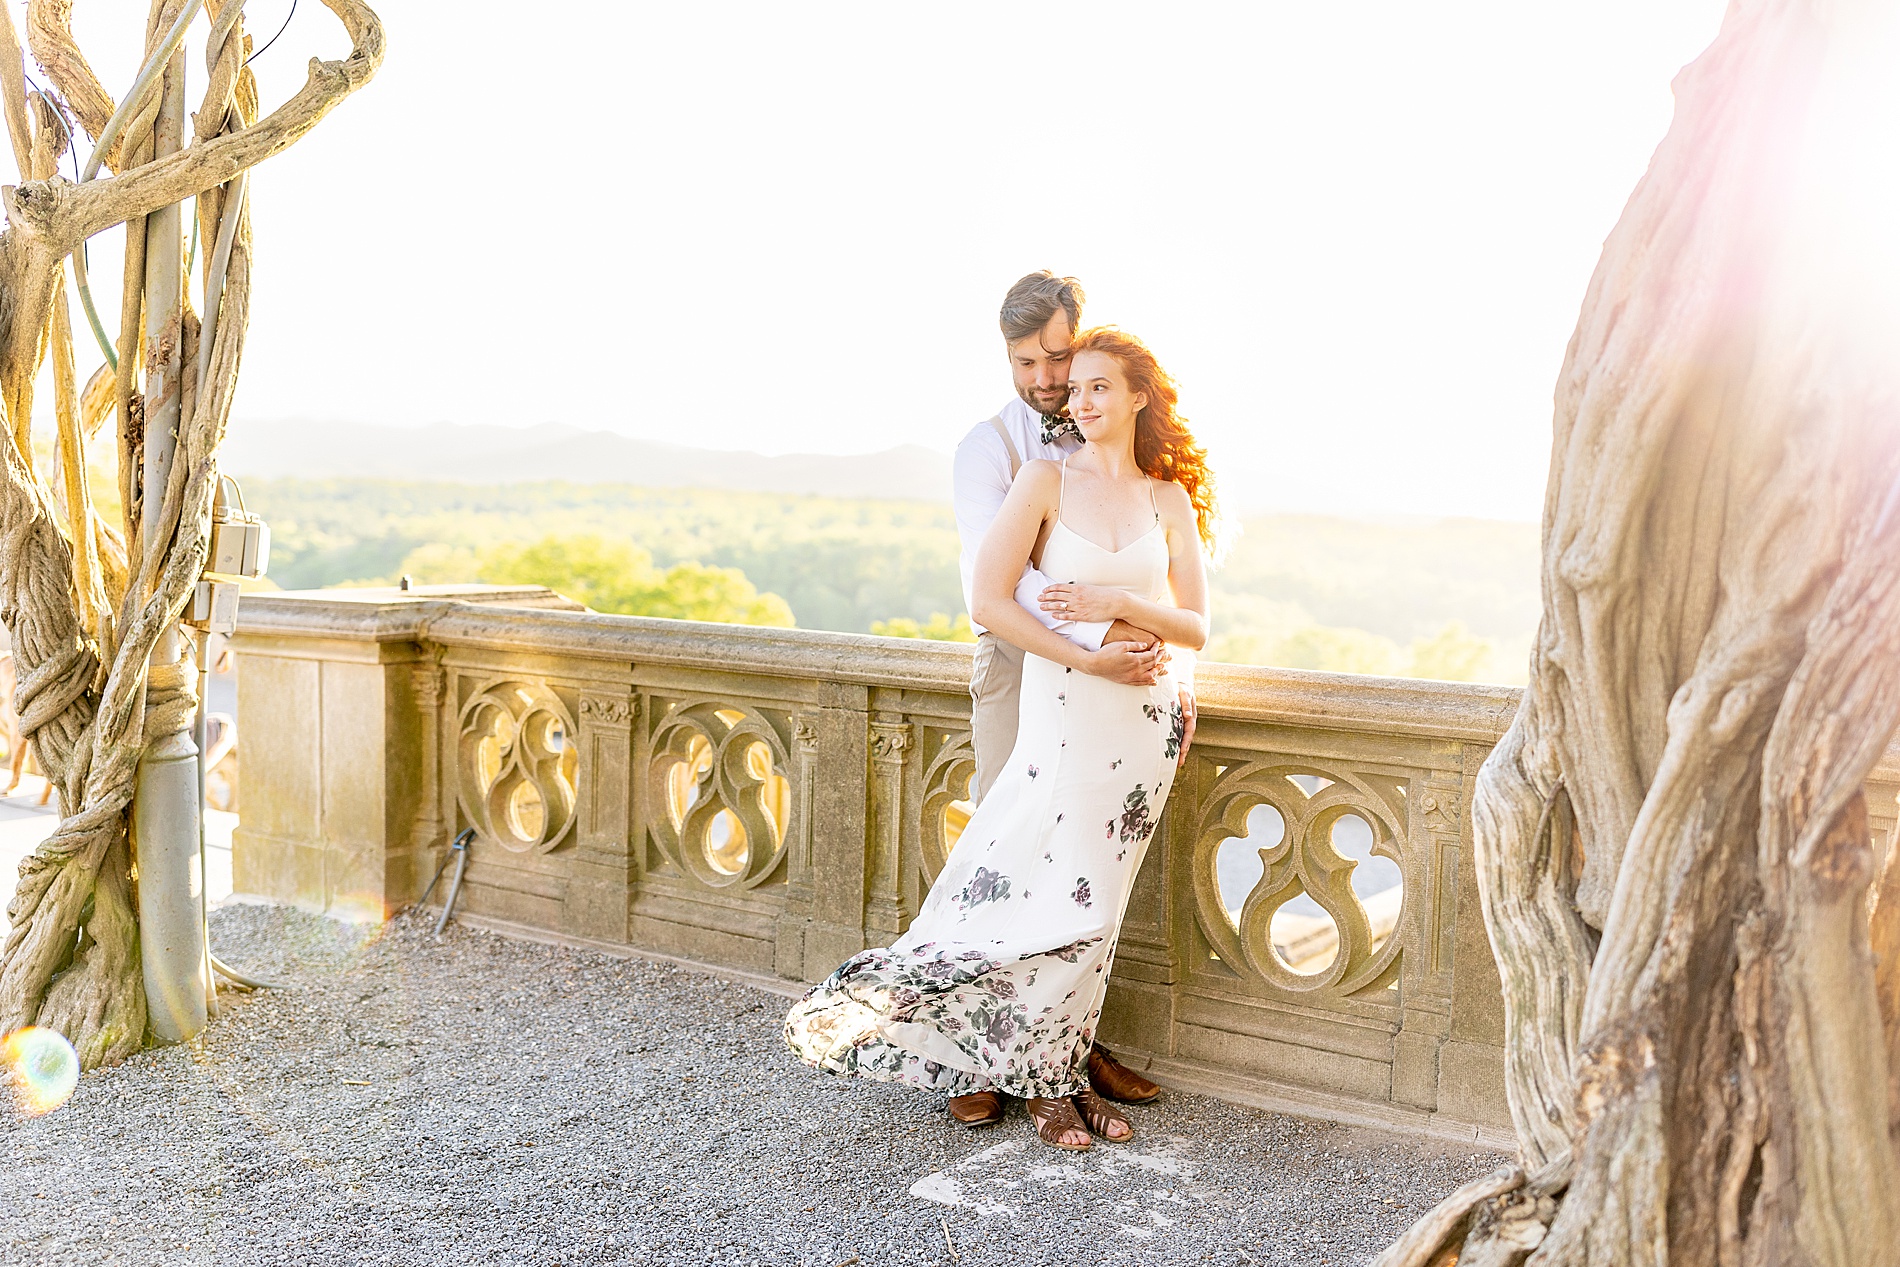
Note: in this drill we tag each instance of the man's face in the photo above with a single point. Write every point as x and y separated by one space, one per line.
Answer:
1040 365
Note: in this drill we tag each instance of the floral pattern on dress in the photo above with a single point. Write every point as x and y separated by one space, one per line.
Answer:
969 998
1177 724
1137 822
999 981
984 886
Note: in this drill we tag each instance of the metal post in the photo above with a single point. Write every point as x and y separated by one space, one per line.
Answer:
165 802
201 736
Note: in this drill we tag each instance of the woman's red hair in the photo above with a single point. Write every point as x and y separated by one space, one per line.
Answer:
1164 447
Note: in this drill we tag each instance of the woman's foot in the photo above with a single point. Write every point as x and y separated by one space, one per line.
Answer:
1057 1124
979 1108
1103 1118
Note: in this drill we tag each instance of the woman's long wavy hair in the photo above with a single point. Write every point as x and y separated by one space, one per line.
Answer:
1164 447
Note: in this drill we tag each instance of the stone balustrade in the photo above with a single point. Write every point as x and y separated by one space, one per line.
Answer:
1304 935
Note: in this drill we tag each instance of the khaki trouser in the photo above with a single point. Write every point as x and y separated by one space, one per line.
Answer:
996 689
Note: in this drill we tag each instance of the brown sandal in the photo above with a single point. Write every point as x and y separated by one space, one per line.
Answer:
1052 1117
979 1108
1103 1118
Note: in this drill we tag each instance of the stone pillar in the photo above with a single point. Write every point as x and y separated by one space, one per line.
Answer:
795 919
600 884
884 906
1471 1062
839 797
1435 851
338 796
429 839
1882 810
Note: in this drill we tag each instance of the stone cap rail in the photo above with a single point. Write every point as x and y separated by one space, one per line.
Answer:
536 619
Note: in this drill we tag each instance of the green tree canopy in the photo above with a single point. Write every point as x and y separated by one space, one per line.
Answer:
939 628
612 576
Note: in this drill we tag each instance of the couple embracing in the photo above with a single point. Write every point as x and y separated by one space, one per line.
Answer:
1087 512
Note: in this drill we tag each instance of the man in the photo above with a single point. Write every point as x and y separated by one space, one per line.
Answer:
1040 317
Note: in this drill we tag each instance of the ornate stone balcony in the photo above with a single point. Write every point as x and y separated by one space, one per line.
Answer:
1304 935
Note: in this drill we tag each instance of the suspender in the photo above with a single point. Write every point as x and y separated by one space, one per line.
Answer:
1009 446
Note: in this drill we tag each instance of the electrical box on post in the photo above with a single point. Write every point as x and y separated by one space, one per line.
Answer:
214 607
239 546
240 541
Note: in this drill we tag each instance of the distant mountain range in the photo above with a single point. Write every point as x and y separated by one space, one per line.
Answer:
555 451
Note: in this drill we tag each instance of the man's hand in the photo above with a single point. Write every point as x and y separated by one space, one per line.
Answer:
1128 663
1192 714
1120 630
1072 600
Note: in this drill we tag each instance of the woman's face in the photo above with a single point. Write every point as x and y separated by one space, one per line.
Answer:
1099 399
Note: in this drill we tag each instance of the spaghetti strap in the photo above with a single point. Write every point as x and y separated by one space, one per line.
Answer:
1062 487
1152 503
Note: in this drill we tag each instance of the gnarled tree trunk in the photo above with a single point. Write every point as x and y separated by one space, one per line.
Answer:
85 601
1673 850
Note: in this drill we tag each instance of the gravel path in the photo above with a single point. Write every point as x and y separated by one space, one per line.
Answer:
482 1099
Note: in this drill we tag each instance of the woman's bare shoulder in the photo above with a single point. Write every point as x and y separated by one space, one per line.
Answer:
1039 476
1173 499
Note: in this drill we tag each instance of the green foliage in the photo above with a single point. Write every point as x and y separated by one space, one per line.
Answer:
939 628
1454 599
1452 654
839 564
603 574
1399 579
1339 650
611 576
693 591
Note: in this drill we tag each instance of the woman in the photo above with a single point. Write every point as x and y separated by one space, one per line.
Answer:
999 982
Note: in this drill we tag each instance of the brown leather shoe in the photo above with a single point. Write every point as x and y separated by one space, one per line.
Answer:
1110 1077
979 1108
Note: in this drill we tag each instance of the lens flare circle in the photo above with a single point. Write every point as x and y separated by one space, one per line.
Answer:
39 1067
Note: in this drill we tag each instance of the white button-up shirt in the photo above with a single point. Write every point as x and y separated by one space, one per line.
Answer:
981 480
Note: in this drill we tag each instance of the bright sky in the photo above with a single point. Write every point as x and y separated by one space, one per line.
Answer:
1358 234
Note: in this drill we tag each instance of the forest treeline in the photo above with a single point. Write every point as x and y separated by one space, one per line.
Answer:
1451 598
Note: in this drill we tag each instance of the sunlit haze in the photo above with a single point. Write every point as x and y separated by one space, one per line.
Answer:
1358 234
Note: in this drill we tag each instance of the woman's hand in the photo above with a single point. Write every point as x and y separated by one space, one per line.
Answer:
1071 600
1191 715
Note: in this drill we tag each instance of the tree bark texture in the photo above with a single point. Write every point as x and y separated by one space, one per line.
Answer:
85 601
1698 959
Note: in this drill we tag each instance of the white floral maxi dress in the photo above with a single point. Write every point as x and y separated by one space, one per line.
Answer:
999 981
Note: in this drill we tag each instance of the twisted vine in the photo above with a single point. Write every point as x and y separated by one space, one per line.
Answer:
1700 965
88 697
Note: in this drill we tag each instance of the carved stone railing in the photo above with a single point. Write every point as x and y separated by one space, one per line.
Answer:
1304 934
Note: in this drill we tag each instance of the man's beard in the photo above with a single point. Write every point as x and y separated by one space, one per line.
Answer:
1056 398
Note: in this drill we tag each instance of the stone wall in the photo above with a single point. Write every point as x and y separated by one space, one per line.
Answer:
770 801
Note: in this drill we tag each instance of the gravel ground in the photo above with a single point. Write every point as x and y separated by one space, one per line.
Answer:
481 1099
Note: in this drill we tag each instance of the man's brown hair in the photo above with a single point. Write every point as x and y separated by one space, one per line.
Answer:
1036 298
